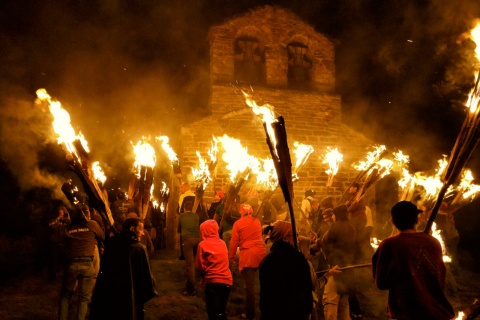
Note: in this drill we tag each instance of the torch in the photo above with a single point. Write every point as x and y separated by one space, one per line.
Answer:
202 178
77 155
276 138
172 156
333 158
144 164
239 163
375 174
466 142
366 166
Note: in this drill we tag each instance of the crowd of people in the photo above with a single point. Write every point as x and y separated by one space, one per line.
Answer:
111 275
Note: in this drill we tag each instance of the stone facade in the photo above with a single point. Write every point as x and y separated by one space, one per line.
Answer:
311 116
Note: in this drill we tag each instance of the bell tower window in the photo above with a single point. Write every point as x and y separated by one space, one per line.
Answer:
299 66
249 61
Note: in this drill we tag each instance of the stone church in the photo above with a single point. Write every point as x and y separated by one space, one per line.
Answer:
272 54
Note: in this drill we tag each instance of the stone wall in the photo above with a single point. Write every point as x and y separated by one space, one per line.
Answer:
275 28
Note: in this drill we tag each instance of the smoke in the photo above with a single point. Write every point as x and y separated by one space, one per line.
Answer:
24 136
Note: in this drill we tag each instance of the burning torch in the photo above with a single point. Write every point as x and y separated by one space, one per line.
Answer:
276 138
333 158
366 166
77 155
144 164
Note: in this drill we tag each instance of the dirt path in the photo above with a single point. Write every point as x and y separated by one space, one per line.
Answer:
36 298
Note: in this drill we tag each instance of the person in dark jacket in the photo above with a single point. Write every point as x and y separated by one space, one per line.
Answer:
339 245
125 282
285 279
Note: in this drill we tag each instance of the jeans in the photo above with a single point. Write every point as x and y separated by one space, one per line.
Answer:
248 275
216 298
189 250
80 270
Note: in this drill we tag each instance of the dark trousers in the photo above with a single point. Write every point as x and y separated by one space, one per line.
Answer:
248 275
216 298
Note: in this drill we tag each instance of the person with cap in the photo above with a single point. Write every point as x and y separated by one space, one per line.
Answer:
212 263
305 219
411 267
338 246
247 236
285 279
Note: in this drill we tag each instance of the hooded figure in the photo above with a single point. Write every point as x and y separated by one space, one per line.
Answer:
212 262
125 282
285 279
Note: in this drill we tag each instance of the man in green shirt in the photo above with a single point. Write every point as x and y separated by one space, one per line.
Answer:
189 229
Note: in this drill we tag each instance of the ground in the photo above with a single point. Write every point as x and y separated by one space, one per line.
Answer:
36 298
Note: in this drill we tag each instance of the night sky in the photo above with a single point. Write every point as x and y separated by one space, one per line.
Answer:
127 69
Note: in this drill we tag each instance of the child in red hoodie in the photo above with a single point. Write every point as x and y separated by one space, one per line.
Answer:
212 261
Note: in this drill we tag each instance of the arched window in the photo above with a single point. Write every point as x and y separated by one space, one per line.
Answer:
249 61
299 66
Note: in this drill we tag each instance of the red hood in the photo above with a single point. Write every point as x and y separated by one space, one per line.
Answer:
209 229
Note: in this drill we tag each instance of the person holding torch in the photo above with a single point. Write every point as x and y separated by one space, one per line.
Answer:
411 267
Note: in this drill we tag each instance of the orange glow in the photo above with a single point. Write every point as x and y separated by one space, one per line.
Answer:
371 158
436 235
202 174
61 123
268 116
266 174
172 156
333 158
302 152
144 154
98 172
236 156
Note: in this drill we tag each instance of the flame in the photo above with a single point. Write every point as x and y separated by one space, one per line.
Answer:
460 315
144 154
433 184
172 156
162 207
237 158
371 158
164 189
266 174
212 152
384 167
375 243
268 116
473 97
98 172
466 186
302 152
401 158
333 158
61 123
436 235
202 175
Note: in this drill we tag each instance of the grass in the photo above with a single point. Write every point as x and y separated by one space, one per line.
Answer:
33 297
